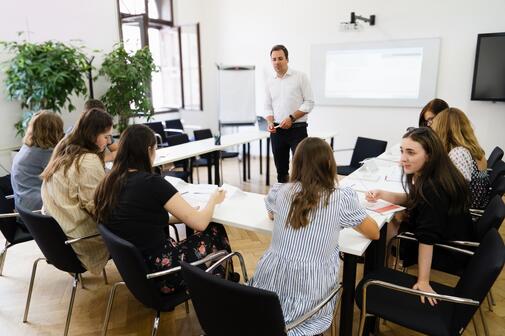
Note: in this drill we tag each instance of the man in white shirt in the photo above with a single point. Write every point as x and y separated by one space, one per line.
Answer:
288 100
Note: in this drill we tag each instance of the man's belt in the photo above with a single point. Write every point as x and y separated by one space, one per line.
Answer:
295 125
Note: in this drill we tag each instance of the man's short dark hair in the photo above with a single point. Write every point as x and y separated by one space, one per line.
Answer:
280 47
94 103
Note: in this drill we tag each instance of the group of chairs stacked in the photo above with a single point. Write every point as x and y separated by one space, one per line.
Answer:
386 294
172 133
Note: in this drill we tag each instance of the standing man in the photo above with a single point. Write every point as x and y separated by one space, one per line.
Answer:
288 100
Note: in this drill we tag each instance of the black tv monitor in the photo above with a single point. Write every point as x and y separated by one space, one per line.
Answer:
489 71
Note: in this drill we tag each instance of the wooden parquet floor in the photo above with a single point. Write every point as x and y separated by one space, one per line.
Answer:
52 291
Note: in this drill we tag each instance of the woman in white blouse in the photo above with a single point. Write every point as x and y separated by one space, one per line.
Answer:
456 133
302 263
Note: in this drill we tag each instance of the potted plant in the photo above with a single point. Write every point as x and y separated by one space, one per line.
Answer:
130 81
44 76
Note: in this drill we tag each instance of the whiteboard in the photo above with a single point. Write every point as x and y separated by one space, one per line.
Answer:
388 73
237 97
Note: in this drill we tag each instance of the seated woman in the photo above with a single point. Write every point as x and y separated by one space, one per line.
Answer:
436 197
302 263
44 131
456 133
69 182
134 203
430 110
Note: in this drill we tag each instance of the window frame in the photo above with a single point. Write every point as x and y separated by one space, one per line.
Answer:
144 37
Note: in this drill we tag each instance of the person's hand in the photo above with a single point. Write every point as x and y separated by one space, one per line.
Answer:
425 287
218 196
286 123
373 195
271 128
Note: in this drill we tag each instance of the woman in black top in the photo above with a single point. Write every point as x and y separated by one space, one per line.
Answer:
134 203
436 197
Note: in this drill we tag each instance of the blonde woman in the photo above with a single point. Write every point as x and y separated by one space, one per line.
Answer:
69 182
44 131
458 138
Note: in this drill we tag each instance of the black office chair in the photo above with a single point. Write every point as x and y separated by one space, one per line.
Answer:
216 300
159 131
51 240
388 294
173 127
365 148
498 169
13 231
498 187
136 277
495 156
186 165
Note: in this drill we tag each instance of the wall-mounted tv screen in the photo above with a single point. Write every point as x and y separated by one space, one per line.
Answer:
489 70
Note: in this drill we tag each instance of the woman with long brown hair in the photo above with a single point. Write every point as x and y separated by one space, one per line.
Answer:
302 263
69 182
436 197
458 138
44 131
430 111
134 203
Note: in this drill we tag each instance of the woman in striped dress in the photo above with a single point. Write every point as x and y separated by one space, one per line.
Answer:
302 263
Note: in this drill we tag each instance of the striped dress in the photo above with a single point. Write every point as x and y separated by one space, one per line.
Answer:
302 266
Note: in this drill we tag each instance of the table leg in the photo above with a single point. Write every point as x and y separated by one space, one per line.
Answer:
268 162
261 157
331 142
217 158
209 169
348 291
248 160
244 164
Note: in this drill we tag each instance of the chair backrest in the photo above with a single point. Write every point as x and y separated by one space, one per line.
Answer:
201 134
478 278
132 268
174 123
51 240
498 170
367 148
178 139
495 156
225 308
498 186
492 218
8 226
157 127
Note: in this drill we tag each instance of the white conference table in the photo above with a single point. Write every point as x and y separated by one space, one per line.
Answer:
247 211
194 148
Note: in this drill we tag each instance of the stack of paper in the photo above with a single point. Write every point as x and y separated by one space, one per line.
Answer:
382 207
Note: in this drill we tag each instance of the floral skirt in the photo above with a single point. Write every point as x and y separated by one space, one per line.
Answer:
195 247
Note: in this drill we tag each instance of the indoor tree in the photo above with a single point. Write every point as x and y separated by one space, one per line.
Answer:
130 76
44 76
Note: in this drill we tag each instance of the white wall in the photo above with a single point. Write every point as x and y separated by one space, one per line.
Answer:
94 22
242 32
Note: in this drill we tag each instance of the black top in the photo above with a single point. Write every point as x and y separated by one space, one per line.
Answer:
139 216
430 221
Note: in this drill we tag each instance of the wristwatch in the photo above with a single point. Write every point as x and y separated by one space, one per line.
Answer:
292 118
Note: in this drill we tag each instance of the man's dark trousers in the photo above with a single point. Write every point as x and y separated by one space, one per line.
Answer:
284 140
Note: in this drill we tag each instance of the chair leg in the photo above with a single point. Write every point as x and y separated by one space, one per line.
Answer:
30 288
71 304
105 276
484 322
156 324
109 307
475 326
3 254
489 303
81 280
491 297
187 306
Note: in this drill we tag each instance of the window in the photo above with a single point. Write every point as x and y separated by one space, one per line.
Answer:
175 49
